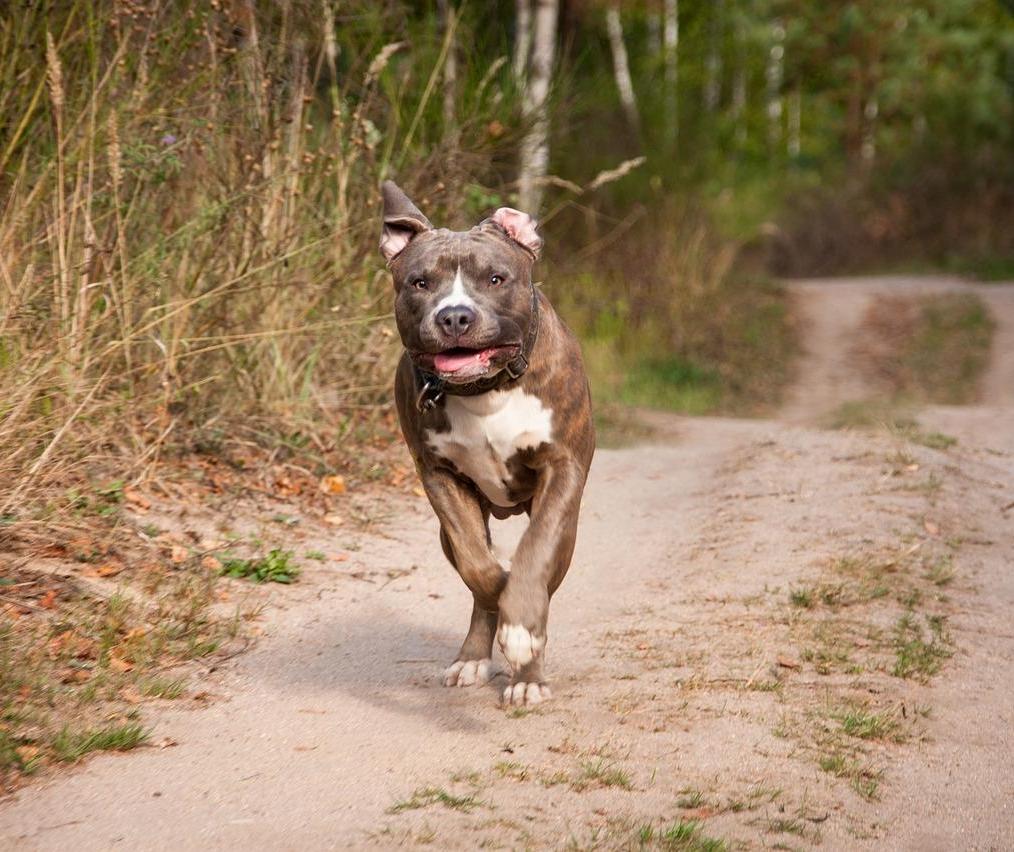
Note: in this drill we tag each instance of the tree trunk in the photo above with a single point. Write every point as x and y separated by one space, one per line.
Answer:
535 145
794 143
713 64
869 148
522 39
739 88
776 64
621 67
670 62
448 16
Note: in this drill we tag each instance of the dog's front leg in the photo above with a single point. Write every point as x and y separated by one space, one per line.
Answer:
537 569
465 540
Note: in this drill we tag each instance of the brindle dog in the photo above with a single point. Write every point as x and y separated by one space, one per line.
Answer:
494 405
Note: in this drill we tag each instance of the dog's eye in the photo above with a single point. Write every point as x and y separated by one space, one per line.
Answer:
420 283
496 280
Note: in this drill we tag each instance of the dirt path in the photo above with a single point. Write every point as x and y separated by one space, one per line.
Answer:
732 611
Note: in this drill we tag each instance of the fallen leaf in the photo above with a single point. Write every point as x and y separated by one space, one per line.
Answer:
787 662
932 528
333 520
117 664
211 563
166 742
333 484
137 498
418 492
27 753
70 675
109 569
135 633
179 554
48 600
340 557
131 695
912 468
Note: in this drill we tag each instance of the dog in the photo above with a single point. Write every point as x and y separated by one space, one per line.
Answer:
494 405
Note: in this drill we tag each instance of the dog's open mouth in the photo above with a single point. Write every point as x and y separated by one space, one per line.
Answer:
461 363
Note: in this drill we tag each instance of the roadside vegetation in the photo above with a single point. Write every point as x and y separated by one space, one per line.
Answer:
930 349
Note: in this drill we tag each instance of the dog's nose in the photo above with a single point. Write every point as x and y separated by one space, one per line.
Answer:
455 320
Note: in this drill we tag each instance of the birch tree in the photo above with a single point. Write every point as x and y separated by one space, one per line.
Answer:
670 57
621 66
449 21
522 39
774 74
713 63
535 145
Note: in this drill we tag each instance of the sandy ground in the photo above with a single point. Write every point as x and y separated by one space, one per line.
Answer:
687 685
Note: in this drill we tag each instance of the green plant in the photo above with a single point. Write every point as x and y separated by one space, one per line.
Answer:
70 746
276 567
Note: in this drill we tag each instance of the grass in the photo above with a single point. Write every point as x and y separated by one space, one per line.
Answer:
920 651
864 780
690 798
867 725
600 773
276 567
424 797
74 673
158 687
673 384
679 836
929 349
70 746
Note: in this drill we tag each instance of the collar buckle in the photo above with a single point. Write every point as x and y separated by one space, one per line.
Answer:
516 367
429 396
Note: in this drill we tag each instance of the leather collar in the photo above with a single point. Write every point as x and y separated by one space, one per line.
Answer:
430 388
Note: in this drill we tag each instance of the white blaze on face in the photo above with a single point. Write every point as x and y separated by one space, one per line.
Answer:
457 298
486 431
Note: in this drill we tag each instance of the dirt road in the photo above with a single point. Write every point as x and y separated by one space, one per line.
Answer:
733 657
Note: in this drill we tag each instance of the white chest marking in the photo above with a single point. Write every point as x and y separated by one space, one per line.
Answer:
486 431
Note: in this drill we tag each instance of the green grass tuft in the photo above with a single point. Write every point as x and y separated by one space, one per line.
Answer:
70 746
276 567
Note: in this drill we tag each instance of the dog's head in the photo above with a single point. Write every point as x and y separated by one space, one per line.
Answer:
463 299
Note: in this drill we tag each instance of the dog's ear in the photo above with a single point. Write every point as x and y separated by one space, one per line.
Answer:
402 221
521 228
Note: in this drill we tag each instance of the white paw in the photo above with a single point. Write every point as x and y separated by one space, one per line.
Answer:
469 672
518 645
526 694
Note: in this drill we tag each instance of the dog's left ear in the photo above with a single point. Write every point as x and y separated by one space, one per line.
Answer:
521 228
402 221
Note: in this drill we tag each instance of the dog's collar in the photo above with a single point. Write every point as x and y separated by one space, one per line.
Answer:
430 388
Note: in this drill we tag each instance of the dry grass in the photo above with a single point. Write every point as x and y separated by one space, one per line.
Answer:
188 238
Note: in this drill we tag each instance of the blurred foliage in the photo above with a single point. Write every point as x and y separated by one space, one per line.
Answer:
190 197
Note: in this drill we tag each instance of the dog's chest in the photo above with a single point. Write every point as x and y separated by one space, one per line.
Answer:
486 431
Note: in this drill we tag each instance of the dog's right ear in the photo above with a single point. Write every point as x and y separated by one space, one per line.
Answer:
402 221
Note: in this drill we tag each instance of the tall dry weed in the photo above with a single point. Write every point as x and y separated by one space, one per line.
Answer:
188 231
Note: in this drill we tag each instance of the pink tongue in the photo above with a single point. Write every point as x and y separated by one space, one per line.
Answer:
447 362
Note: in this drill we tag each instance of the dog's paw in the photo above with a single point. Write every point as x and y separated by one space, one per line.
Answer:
469 672
519 646
525 694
